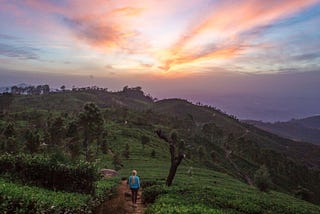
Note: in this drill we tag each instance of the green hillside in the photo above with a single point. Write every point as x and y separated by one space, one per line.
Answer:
223 152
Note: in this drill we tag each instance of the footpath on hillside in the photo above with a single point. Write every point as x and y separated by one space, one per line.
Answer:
121 203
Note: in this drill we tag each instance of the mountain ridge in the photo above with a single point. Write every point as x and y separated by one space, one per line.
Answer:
305 129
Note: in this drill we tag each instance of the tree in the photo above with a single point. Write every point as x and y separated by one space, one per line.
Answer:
74 148
213 156
63 87
72 130
117 163
153 153
45 89
104 146
11 146
126 152
175 158
201 153
262 179
38 89
56 130
9 131
144 140
91 121
33 141
15 90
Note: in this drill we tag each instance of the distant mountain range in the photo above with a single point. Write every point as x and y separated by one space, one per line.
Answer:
307 129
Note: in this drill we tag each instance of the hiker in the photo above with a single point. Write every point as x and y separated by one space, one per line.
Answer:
134 183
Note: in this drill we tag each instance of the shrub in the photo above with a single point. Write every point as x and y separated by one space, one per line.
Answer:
17 198
262 179
150 194
105 188
47 173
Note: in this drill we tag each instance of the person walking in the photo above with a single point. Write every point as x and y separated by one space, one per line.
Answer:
134 183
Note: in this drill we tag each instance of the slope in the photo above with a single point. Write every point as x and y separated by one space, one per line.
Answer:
213 139
307 129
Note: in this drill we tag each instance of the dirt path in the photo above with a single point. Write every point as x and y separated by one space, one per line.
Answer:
121 204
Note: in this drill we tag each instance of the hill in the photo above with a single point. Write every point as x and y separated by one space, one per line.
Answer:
224 152
307 129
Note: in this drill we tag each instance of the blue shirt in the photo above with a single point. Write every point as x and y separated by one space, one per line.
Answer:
136 183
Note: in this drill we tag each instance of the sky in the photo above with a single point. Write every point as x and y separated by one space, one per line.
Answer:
195 49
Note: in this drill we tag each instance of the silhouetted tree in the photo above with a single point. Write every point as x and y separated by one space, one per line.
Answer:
175 158
38 90
45 89
15 90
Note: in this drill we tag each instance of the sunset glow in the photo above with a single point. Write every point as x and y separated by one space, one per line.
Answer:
159 37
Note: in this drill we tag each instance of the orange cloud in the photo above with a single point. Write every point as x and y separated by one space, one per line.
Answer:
143 31
229 19
128 11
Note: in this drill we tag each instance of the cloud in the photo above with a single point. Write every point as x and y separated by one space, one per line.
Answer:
7 37
307 56
172 35
18 52
93 32
128 11
232 20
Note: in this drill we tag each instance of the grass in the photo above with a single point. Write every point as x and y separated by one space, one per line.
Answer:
19 198
206 191
214 191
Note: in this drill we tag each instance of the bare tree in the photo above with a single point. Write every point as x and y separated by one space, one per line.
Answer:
175 158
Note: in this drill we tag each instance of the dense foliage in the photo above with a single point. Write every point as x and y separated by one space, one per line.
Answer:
262 179
208 192
45 172
16 198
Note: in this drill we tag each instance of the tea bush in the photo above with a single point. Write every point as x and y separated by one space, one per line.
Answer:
44 172
17 198
105 188
150 193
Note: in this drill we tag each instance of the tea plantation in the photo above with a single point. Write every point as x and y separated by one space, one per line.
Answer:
54 146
